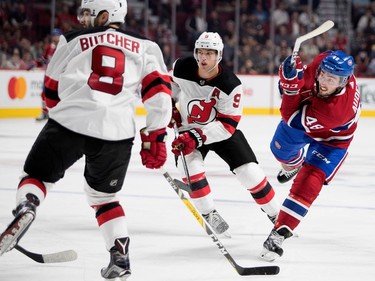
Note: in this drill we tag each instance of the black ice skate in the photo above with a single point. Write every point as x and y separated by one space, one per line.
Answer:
217 223
119 265
272 246
43 116
283 176
24 215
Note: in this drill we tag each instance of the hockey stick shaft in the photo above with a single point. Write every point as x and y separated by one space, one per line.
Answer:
258 270
57 257
327 25
176 132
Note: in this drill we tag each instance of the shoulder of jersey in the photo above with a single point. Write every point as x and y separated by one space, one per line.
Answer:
186 68
75 33
227 81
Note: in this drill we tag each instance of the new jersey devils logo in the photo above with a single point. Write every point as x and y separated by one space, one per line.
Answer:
201 112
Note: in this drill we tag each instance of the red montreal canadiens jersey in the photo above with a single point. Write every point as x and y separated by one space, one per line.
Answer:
214 105
50 50
95 77
331 120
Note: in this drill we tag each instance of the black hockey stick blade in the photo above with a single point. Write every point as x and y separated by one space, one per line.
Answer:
259 270
64 256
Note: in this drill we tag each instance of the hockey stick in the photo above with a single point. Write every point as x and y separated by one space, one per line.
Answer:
176 133
327 25
257 270
63 256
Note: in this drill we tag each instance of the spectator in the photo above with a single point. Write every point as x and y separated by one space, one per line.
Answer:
282 34
280 15
15 61
366 21
3 60
261 13
195 25
18 17
340 41
309 18
214 23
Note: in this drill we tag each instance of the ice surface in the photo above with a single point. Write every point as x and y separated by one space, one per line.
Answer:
335 240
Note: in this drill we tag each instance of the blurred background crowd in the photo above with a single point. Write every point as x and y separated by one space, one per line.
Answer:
258 35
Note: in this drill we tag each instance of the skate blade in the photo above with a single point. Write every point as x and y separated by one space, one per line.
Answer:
10 237
121 278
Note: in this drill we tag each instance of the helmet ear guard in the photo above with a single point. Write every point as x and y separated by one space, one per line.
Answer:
212 41
338 63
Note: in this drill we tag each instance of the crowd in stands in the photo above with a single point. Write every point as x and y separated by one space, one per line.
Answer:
25 28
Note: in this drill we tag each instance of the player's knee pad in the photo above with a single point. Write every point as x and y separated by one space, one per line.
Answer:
308 183
97 198
249 175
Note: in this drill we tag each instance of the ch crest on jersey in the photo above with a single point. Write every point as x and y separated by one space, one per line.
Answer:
201 111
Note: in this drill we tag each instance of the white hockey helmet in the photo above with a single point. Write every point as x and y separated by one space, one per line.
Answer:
209 40
117 9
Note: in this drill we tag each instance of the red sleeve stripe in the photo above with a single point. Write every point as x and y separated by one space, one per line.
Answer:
229 122
35 182
50 92
50 103
50 83
155 83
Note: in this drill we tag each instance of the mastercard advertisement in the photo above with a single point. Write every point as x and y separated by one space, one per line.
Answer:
20 93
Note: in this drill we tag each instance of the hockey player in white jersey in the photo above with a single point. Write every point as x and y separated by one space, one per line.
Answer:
91 87
210 108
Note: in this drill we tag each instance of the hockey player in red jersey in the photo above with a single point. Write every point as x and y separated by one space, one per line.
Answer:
210 103
320 109
92 84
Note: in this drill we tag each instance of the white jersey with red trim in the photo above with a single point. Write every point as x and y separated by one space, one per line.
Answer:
213 105
95 77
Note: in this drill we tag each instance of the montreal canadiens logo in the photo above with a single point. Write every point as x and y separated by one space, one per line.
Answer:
17 88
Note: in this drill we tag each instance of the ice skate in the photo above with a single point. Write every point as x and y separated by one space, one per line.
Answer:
24 216
119 265
217 223
284 176
43 116
272 246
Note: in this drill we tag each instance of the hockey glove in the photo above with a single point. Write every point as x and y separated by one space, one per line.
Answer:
188 141
176 118
291 77
154 151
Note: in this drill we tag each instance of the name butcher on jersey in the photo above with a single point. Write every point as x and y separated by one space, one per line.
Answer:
117 40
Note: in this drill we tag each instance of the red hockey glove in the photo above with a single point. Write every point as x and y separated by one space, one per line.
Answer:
291 77
154 151
176 118
188 141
